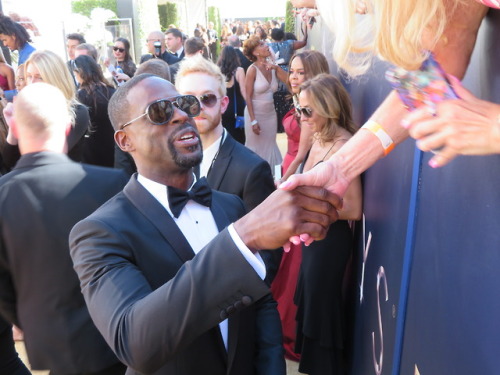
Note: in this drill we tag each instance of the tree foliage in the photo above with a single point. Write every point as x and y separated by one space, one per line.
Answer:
214 16
289 18
85 7
169 15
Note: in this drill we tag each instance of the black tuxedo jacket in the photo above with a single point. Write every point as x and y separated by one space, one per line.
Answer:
240 171
158 306
40 201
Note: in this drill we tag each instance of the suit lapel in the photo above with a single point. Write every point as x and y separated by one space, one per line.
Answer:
159 217
221 164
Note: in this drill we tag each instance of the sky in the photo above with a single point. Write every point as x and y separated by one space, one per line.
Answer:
250 8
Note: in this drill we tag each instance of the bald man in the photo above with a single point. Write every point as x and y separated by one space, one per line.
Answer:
157 49
41 199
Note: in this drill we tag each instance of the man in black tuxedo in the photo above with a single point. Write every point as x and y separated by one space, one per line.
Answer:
73 40
41 199
162 309
157 49
228 165
174 39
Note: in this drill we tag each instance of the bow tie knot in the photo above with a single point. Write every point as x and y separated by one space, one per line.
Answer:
200 193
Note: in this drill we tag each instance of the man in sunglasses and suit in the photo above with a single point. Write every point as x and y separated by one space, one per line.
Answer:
40 200
170 294
227 164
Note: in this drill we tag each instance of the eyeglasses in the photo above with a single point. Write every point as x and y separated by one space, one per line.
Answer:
208 100
152 40
161 111
306 111
119 49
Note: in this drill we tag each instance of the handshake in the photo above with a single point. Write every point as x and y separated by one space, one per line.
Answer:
285 214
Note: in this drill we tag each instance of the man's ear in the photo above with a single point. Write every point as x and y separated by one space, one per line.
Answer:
123 141
13 128
224 101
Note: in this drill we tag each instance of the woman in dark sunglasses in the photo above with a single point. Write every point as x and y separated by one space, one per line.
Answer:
325 107
123 60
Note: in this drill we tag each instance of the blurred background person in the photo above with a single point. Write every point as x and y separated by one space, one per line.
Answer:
156 48
303 66
325 108
72 41
46 66
123 60
229 65
235 42
16 38
283 51
95 92
260 115
88 50
7 76
261 33
20 78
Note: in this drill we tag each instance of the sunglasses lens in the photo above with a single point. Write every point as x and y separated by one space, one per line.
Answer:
208 100
189 104
160 112
118 49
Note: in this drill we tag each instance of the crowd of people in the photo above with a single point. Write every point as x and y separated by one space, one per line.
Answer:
199 252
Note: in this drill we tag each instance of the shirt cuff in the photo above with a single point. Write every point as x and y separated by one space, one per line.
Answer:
255 260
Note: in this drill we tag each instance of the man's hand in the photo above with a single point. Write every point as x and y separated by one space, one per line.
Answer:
286 213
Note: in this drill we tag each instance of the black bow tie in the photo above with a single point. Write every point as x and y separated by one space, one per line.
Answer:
200 193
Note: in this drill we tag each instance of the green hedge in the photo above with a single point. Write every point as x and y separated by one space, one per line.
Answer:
168 15
85 7
289 18
214 16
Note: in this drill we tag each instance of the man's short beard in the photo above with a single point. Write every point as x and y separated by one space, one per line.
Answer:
186 161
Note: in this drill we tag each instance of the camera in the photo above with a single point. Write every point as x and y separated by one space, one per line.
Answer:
157 46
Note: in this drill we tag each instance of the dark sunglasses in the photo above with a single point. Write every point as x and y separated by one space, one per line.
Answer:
208 100
161 111
306 111
119 49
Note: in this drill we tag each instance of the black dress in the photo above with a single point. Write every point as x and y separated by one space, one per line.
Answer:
228 118
320 311
99 147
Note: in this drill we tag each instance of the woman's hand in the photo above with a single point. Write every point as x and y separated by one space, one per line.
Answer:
465 126
256 128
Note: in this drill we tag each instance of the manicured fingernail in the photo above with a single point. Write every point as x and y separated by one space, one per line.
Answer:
433 163
284 185
287 247
405 123
304 237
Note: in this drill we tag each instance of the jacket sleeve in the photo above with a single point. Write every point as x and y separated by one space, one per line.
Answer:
145 327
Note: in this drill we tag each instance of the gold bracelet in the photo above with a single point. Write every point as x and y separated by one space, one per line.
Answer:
381 134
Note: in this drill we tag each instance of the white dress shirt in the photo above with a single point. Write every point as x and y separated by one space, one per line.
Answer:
210 154
198 226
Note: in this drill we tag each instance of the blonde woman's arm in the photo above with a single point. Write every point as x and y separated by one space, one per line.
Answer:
365 148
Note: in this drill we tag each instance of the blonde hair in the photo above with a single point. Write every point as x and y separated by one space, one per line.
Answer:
329 99
53 71
393 30
198 64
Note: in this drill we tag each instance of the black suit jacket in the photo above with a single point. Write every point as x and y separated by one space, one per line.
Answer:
40 201
158 306
166 56
240 171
